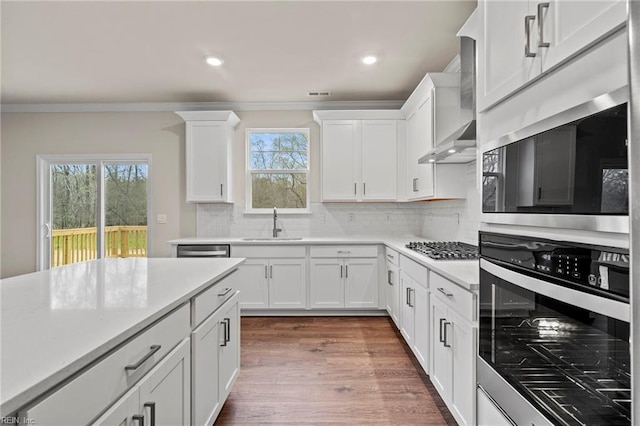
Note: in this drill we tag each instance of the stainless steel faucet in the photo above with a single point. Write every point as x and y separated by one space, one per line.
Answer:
275 223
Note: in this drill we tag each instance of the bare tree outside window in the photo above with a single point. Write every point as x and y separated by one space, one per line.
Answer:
278 168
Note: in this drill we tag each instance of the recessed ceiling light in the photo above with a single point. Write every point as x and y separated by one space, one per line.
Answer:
213 61
369 60
432 160
452 150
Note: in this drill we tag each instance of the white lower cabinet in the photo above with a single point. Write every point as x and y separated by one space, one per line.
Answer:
414 317
162 397
271 277
344 283
393 292
453 350
215 351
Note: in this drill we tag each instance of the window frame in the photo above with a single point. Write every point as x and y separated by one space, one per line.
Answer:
249 172
44 200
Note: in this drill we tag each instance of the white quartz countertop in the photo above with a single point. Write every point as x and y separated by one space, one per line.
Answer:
463 272
56 322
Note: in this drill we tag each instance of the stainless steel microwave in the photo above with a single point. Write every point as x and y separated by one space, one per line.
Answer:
568 171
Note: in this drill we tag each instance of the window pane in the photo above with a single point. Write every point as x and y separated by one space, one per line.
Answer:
282 190
279 151
74 190
125 210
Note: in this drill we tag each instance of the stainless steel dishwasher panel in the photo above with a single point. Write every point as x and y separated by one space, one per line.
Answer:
204 250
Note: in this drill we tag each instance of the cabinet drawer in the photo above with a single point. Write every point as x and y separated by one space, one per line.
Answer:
415 270
268 251
456 297
209 300
344 251
86 396
392 256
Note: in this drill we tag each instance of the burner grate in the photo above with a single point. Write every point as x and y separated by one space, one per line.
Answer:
445 250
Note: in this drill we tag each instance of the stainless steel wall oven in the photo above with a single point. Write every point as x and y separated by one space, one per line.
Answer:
554 331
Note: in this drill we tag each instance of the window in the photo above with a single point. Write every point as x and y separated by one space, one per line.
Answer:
492 180
92 207
277 170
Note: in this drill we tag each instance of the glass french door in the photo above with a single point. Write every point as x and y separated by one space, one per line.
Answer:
92 208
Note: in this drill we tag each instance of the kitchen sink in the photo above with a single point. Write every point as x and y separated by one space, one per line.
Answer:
273 239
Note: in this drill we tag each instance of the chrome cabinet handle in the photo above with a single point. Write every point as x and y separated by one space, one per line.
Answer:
440 336
364 188
390 256
389 277
541 42
152 416
265 272
138 418
411 292
355 188
415 184
346 271
406 297
153 350
340 271
527 36
225 339
271 271
225 292
444 341
443 291
221 190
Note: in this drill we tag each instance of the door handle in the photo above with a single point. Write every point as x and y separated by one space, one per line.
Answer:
411 292
271 271
444 328
389 277
440 336
265 272
153 350
364 188
527 36
139 418
152 415
221 190
225 339
541 42
346 271
340 271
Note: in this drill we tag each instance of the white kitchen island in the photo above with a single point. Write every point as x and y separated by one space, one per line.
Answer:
60 325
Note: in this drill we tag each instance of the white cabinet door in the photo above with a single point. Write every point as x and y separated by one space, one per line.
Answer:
165 392
406 309
463 352
420 141
206 155
570 26
252 281
503 65
229 356
440 373
393 293
379 160
340 165
327 284
287 283
421 332
121 413
361 283
205 343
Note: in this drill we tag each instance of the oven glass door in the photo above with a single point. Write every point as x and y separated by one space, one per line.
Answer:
570 363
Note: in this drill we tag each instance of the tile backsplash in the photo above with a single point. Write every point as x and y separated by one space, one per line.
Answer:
435 220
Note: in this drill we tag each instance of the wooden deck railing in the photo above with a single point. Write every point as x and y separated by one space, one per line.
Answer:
80 244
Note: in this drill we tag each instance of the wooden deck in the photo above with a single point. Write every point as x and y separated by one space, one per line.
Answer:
329 370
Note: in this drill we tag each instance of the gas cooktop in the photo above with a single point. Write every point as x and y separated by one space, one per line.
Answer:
445 250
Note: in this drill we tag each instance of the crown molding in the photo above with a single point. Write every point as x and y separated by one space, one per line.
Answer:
200 106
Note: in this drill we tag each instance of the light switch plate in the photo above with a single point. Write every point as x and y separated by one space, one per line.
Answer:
161 218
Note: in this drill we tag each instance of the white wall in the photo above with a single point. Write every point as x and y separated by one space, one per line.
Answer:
457 220
25 135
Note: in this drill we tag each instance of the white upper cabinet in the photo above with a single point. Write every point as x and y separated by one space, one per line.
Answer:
359 155
521 40
209 153
432 113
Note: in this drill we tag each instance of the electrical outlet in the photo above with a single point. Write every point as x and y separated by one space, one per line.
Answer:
351 217
161 218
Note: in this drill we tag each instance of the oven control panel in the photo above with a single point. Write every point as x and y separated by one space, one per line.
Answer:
602 268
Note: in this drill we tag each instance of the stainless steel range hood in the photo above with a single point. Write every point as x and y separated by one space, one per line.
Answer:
459 147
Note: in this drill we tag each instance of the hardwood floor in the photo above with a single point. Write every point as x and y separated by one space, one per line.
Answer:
329 370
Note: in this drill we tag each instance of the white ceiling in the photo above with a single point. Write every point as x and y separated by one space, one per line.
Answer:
274 51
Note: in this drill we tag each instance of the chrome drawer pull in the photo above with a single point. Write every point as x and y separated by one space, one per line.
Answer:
225 292
442 290
152 417
138 418
154 349
444 342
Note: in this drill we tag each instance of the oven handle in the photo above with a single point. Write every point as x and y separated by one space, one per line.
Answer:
601 305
